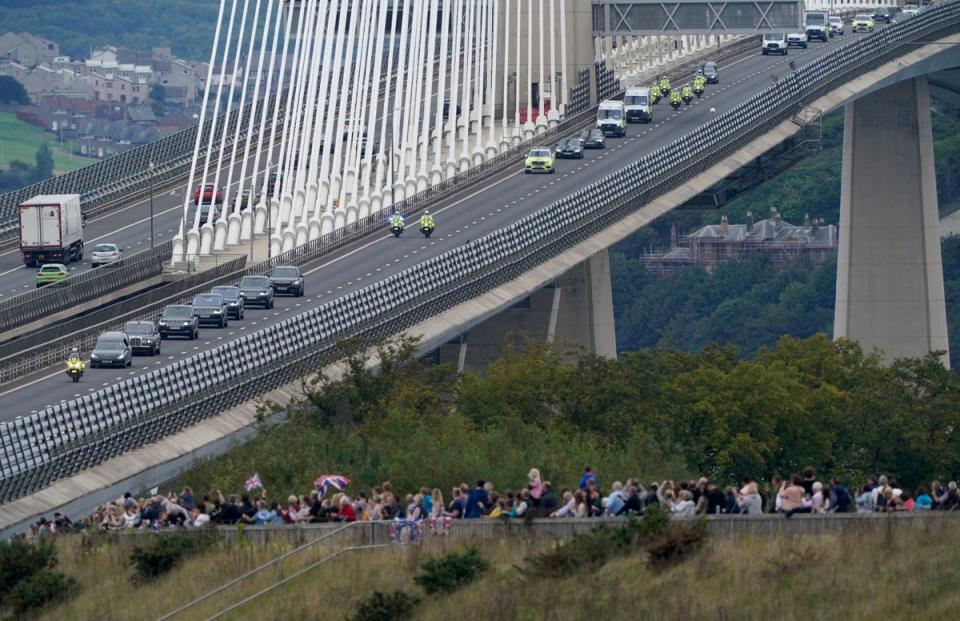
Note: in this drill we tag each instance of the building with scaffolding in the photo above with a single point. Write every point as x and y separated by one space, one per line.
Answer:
784 243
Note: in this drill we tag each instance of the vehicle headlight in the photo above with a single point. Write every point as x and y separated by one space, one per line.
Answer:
187 323
119 356
217 311
163 322
94 356
263 293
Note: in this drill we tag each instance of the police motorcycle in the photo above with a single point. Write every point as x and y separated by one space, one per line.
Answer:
687 94
426 224
396 224
676 100
655 94
75 365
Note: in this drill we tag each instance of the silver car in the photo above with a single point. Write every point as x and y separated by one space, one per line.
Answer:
104 254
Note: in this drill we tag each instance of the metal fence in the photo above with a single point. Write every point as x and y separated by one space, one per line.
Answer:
126 177
75 435
42 348
49 344
43 302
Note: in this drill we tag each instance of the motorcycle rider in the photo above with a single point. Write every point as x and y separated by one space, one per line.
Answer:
655 93
396 220
675 99
687 94
426 221
664 85
75 362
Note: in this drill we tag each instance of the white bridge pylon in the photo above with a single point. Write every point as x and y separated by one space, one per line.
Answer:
373 102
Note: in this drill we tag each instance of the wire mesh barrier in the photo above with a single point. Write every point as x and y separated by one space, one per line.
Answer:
46 346
51 345
43 302
75 435
127 176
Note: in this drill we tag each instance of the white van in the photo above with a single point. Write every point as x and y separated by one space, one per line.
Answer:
637 103
612 118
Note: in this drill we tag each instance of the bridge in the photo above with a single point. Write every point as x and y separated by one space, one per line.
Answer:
506 242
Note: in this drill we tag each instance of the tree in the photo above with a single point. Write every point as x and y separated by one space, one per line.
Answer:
158 93
12 92
44 159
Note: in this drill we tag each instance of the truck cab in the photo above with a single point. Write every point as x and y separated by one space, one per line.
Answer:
817 25
637 104
612 118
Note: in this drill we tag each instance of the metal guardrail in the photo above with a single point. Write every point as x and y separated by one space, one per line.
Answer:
72 436
52 345
42 302
126 177
49 345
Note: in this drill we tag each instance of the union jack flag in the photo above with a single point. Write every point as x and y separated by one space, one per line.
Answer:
253 483
334 481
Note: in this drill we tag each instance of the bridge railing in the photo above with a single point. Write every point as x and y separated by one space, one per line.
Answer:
77 434
90 285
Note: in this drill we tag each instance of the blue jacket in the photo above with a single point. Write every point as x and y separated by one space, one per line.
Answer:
476 503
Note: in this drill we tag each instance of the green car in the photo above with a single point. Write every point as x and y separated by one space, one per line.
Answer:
51 273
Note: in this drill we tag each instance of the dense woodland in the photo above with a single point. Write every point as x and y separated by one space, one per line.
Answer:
656 413
750 304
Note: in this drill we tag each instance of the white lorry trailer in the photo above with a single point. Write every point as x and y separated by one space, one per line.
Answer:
51 229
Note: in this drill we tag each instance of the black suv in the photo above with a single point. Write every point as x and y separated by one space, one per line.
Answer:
569 148
287 279
231 295
881 14
144 337
179 320
256 290
112 350
593 139
210 308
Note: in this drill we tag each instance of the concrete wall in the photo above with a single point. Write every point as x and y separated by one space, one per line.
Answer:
889 271
576 308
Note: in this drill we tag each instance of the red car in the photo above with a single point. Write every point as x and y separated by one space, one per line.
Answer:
210 194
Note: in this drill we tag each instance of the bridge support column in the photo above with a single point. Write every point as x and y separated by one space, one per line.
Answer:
577 308
889 269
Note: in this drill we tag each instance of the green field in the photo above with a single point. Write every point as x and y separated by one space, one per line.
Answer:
20 141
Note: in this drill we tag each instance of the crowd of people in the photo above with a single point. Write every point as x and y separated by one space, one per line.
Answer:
800 493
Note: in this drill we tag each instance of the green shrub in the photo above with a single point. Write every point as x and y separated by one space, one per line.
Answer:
164 552
449 573
677 543
42 588
379 606
20 560
602 543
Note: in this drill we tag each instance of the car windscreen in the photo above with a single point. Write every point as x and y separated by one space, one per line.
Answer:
710 68
50 269
227 293
816 19
540 153
178 311
285 272
207 300
635 100
254 282
138 328
773 37
613 113
110 345
104 248
862 18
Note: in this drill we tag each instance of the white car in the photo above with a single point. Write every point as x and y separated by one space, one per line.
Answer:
104 254
909 10
774 43
836 24
798 39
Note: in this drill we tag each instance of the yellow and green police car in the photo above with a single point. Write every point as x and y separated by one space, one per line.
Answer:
539 160
862 23
51 273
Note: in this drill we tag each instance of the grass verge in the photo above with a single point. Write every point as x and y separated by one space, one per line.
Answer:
21 140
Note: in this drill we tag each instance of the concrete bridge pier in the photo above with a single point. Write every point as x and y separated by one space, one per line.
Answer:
576 308
889 268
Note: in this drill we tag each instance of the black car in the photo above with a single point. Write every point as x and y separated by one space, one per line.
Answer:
881 14
247 199
593 139
112 350
256 291
211 308
287 279
569 148
710 72
235 304
144 337
179 320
